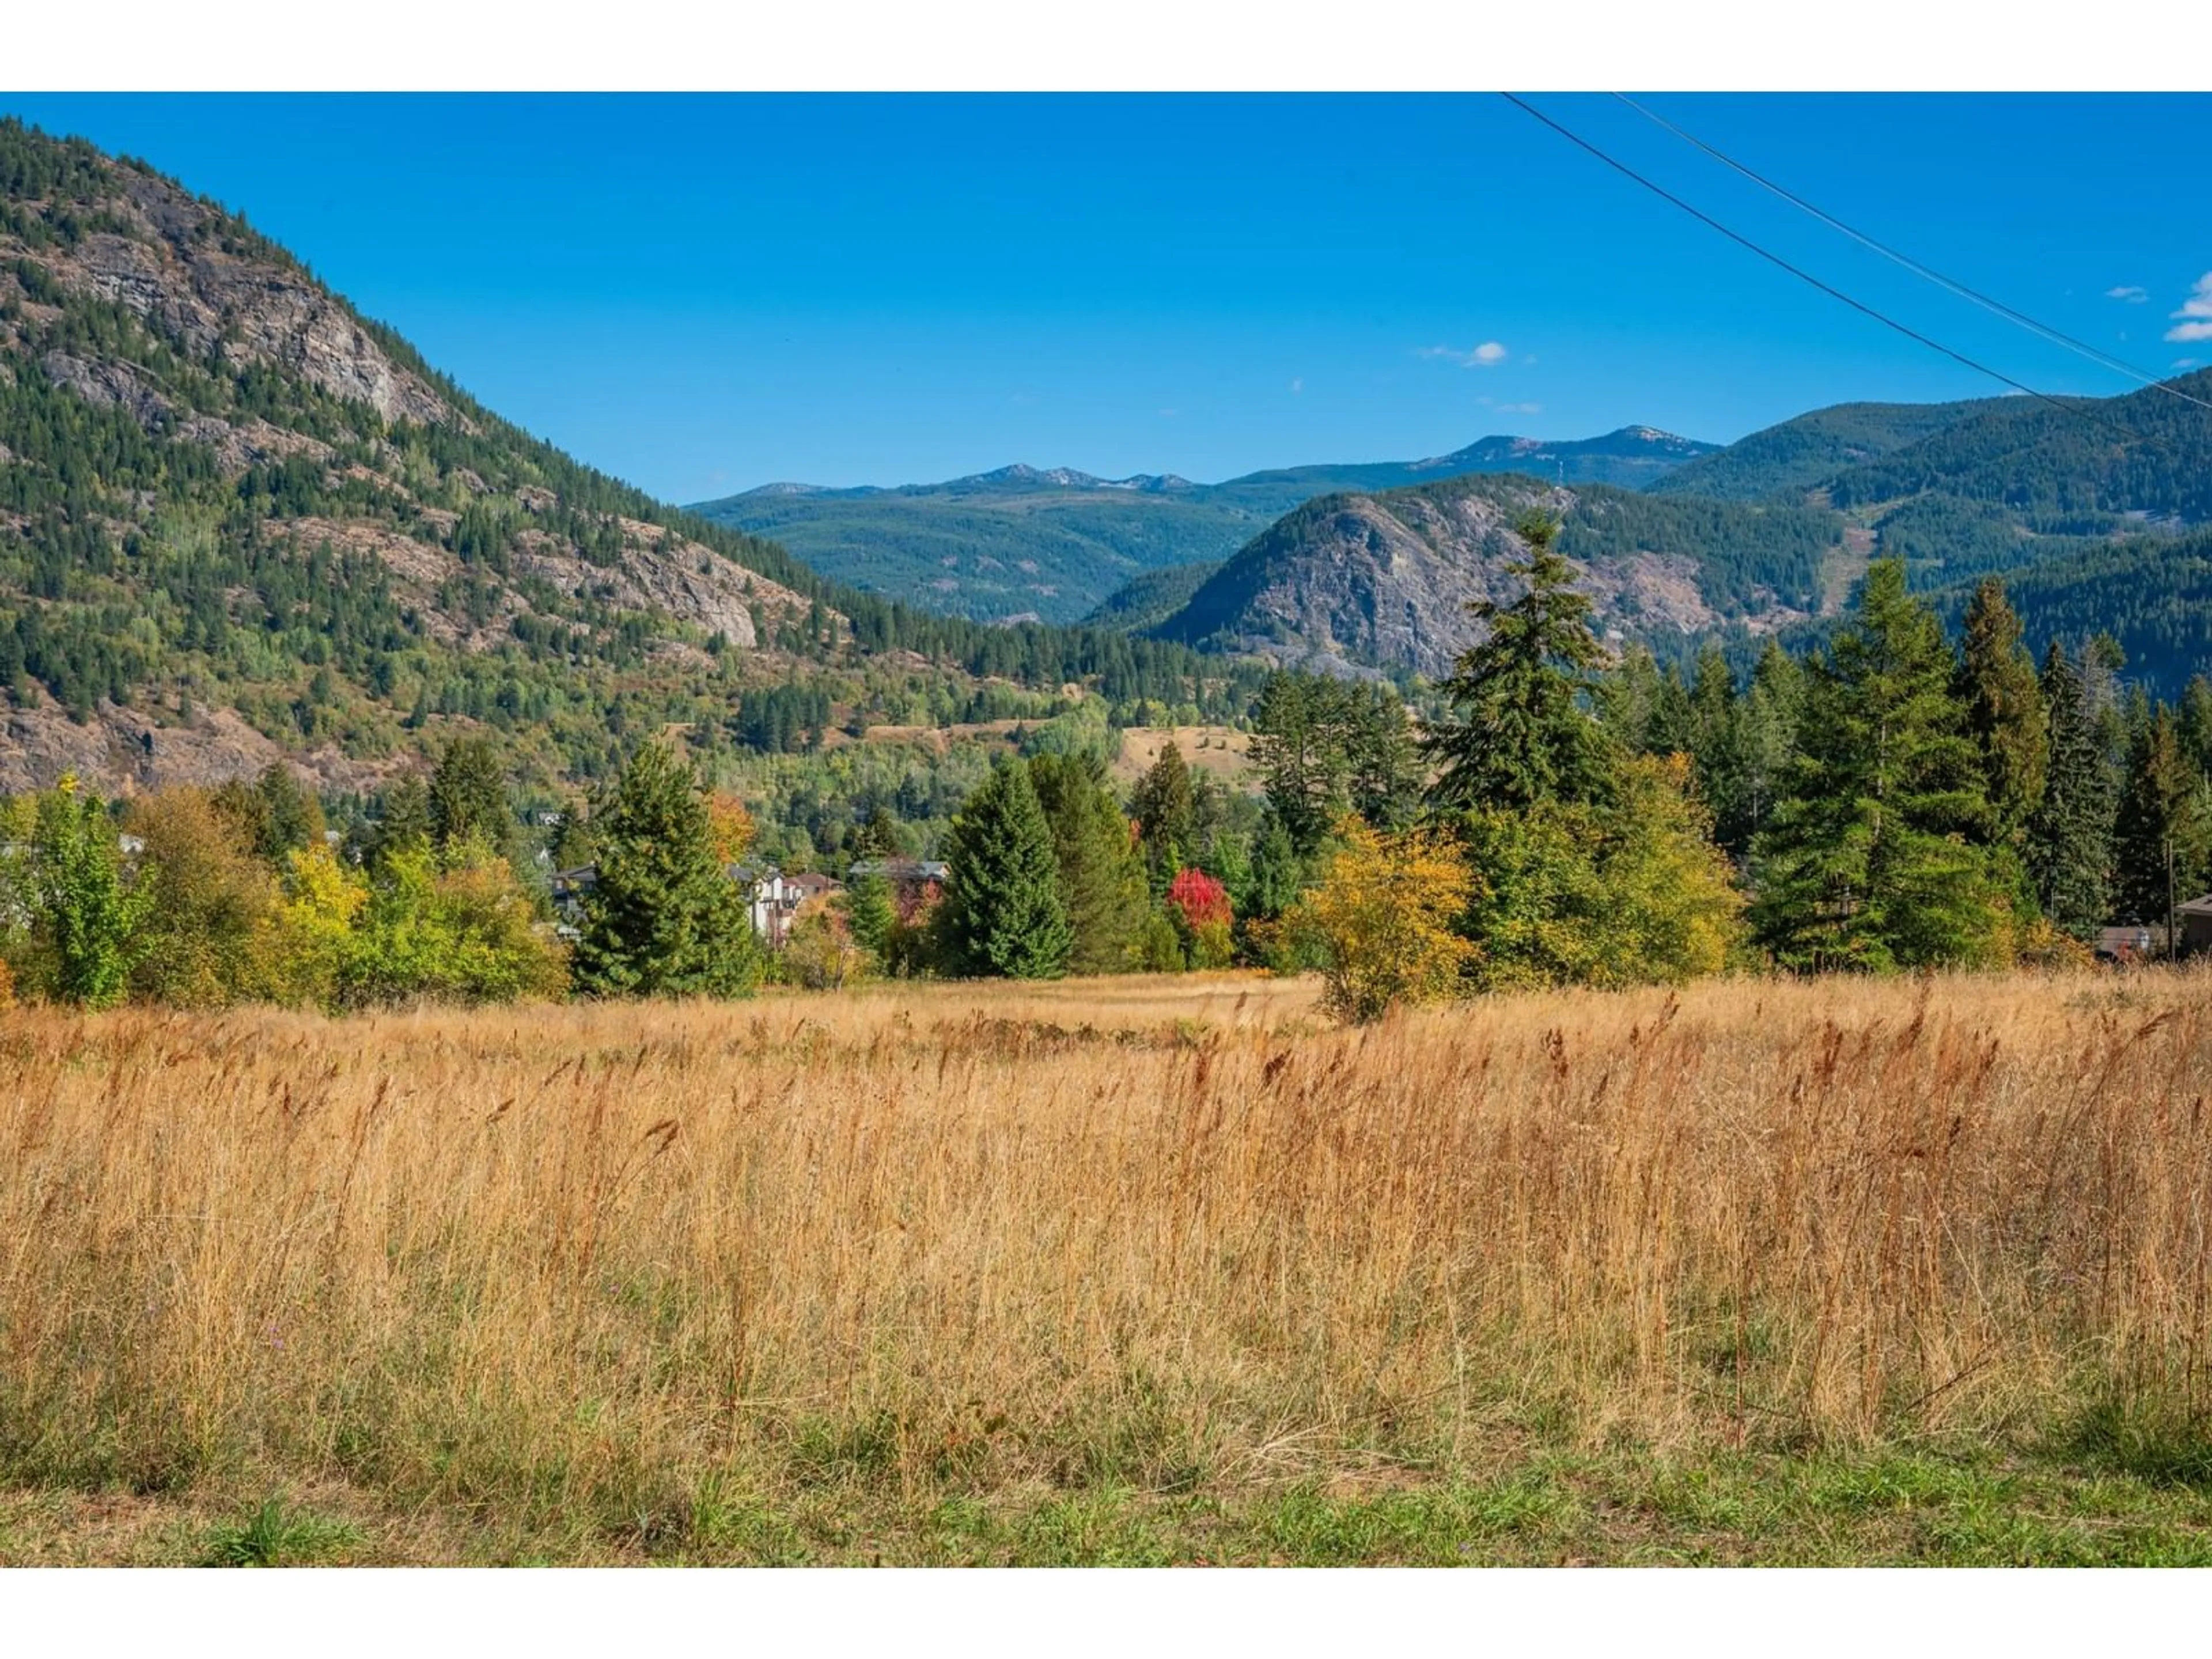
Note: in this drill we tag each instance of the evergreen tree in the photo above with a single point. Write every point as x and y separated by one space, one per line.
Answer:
1165 805
406 823
663 917
2196 720
1871 861
2164 836
1768 735
872 915
1384 783
468 798
1301 747
277 813
2005 716
1278 874
1102 879
1520 734
574 838
879 838
1001 913
2069 835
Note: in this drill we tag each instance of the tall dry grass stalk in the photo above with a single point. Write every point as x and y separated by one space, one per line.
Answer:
586 1254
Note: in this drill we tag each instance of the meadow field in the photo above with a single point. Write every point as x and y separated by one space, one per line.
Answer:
1135 1271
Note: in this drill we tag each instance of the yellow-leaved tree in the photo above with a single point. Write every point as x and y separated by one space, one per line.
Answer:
1386 911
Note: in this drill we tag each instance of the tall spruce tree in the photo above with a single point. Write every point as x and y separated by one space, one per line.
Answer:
1165 805
2003 702
1278 874
1872 859
1384 779
1002 913
1520 733
1302 732
663 918
1102 876
2163 841
2069 834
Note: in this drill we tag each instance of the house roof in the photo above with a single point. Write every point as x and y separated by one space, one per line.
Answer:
2196 907
902 869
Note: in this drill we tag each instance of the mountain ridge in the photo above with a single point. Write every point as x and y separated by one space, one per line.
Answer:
240 521
1058 542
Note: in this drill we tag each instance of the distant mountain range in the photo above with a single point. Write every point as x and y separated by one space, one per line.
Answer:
1053 543
2095 513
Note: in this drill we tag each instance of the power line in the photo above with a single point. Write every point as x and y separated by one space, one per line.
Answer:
1807 276
2056 336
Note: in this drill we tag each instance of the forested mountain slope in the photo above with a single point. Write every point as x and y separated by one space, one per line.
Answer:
2087 468
1805 452
1054 544
239 519
1383 582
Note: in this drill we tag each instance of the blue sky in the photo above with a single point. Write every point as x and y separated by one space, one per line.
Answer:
704 293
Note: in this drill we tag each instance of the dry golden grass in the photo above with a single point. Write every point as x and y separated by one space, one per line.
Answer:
1173 1235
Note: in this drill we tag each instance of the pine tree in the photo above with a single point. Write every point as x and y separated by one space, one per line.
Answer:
1001 913
2069 835
468 798
2005 716
1871 861
663 917
1521 734
1102 879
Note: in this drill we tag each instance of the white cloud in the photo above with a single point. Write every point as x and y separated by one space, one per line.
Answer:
2194 320
1488 355
2130 293
1297 386
2184 362
1520 409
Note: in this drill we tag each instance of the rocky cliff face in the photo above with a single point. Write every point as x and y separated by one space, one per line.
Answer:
1355 583
179 264
237 519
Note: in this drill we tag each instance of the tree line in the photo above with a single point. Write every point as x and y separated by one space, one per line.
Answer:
1897 800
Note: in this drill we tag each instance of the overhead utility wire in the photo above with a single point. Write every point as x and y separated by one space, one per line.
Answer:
1804 275
2056 336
